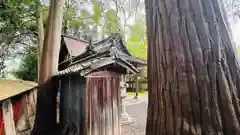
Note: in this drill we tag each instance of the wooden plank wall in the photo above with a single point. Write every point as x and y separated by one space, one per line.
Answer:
9 124
71 104
102 105
25 112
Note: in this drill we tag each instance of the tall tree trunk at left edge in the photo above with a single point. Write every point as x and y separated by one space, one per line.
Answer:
45 120
52 40
40 31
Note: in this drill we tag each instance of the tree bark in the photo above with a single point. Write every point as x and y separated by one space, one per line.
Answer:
40 37
45 119
193 73
52 40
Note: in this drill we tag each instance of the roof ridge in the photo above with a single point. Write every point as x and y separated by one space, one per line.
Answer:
75 38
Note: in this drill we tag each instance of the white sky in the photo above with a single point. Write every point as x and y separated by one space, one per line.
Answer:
236 32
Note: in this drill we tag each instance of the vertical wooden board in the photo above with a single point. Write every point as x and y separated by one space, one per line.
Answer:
108 106
94 107
64 101
23 122
1 121
35 95
69 97
85 117
114 107
97 106
31 103
25 111
104 113
81 102
104 107
118 97
9 124
90 108
76 107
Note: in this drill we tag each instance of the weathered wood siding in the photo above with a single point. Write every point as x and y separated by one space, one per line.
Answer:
71 103
102 104
16 112
92 109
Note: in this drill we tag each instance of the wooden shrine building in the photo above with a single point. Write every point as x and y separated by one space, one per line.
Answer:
89 85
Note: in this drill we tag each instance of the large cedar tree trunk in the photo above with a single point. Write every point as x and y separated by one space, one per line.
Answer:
194 83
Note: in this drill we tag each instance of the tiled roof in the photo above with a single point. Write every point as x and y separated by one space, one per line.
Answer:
110 51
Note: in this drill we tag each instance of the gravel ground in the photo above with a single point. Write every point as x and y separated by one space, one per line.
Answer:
138 112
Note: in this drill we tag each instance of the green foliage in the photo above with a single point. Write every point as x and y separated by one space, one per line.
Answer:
112 22
17 17
44 9
28 66
137 41
69 14
20 16
97 11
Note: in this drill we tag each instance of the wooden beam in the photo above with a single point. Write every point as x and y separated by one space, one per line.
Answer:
32 103
102 63
8 120
97 65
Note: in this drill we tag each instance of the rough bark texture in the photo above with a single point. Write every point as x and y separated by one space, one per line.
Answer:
194 82
52 39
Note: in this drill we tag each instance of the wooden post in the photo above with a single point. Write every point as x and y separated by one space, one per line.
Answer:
23 123
25 111
8 120
136 88
32 103
35 95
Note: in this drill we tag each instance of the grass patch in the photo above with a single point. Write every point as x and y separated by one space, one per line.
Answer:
134 93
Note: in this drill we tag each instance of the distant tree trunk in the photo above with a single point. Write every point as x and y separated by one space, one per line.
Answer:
194 83
52 40
65 23
40 30
45 120
136 86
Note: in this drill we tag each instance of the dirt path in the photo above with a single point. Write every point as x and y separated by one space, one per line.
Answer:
138 112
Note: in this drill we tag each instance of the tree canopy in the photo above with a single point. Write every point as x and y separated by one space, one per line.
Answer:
28 66
100 20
